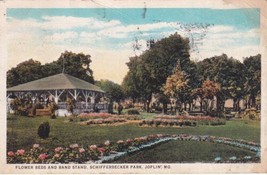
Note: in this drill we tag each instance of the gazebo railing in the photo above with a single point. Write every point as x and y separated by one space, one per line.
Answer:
83 106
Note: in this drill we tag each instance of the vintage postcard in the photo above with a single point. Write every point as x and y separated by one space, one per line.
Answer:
133 86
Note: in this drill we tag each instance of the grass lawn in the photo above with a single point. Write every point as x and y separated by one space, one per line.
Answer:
63 133
184 151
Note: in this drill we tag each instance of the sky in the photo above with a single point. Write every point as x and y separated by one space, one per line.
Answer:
112 35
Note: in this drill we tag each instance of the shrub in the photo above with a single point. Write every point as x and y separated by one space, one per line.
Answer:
171 123
44 130
53 107
251 114
82 120
133 112
53 116
157 123
23 111
164 122
187 123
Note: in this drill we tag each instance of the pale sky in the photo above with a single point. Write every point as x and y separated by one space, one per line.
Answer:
108 35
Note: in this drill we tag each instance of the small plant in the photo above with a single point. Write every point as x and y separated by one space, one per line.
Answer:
44 130
251 114
70 105
53 107
187 123
133 112
53 116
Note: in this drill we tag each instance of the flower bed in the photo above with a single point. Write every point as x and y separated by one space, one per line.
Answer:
94 115
97 118
109 151
78 154
87 116
180 121
110 120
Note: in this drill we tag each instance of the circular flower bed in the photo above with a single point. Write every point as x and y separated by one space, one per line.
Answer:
179 121
109 151
102 118
75 153
94 115
110 120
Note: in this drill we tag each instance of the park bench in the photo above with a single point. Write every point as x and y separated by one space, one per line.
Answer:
43 112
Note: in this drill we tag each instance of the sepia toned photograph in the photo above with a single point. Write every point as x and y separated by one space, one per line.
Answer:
135 88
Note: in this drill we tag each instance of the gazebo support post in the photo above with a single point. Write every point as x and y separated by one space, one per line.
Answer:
86 95
75 95
56 96
93 97
33 99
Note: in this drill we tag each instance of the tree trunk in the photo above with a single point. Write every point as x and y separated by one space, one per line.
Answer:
205 105
253 101
165 105
238 105
147 106
190 106
246 103
220 104
110 108
201 105
234 104
211 104
249 102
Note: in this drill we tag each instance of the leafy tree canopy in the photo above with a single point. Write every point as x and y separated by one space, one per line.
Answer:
148 72
113 91
77 65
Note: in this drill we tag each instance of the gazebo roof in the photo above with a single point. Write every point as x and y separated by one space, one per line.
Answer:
54 82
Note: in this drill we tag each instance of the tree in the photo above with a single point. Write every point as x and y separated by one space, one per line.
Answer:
113 91
130 84
206 93
227 72
164 99
177 86
252 66
24 72
148 72
77 65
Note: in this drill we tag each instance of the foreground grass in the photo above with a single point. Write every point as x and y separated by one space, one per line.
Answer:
22 132
184 151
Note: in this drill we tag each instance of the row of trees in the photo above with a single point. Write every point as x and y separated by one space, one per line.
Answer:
165 69
77 65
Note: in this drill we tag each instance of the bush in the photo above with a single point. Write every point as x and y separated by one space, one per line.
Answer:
53 116
23 111
53 107
251 114
44 130
133 112
187 123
